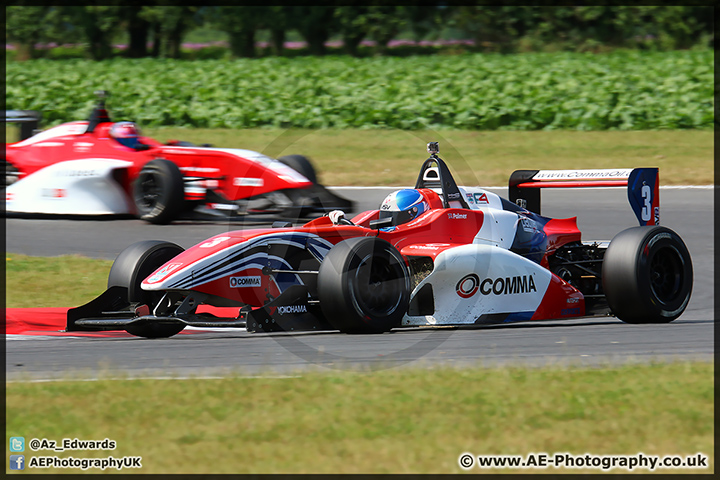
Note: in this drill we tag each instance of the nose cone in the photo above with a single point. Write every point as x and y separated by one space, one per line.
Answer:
160 279
178 272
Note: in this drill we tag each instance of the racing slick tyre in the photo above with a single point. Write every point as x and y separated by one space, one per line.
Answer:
300 164
647 275
11 174
130 268
159 192
364 286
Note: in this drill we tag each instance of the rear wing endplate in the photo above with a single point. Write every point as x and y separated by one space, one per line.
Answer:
643 187
29 121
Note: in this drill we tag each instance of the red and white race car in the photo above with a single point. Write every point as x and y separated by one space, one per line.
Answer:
438 254
100 167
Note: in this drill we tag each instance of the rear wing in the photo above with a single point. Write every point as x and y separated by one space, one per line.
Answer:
29 121
643 187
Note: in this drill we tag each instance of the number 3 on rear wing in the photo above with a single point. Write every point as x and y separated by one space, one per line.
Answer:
643 187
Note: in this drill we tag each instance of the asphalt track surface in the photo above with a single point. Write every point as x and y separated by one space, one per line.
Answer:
589 341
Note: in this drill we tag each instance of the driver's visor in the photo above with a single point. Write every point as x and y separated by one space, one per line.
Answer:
398 218
131 142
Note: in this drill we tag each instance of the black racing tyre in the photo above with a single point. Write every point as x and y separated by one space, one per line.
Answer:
364 286
131 267
647 275
159 192
300 164
11 174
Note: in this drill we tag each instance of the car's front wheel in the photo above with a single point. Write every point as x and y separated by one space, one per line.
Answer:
364 286
130 268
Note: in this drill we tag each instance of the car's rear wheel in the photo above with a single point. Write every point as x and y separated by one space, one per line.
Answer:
300 164
130 268
647 275
158 192
364 286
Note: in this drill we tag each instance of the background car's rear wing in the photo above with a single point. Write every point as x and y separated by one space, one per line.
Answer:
29 121
643 187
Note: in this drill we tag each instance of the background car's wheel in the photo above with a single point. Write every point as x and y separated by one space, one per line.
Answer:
11 174
364 286
159 192
647 275
300 164
131 267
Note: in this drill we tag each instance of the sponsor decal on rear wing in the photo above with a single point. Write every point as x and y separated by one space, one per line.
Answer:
643 187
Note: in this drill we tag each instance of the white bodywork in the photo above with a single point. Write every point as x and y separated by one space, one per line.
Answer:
499 226
504 283
72 128
75 187
86 187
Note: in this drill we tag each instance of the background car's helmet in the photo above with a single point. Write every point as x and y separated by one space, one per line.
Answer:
126 133
403 206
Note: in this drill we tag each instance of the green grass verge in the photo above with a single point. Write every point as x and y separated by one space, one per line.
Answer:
393 157
66 281
392 421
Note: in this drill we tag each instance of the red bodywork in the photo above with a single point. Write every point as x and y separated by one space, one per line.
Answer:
485 261
224 171
432 233
467 257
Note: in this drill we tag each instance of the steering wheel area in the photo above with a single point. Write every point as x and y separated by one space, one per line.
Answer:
337 217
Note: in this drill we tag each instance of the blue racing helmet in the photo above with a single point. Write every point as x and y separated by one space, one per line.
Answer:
126 133
403 206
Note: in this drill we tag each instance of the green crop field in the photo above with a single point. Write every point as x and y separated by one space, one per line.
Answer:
623 90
